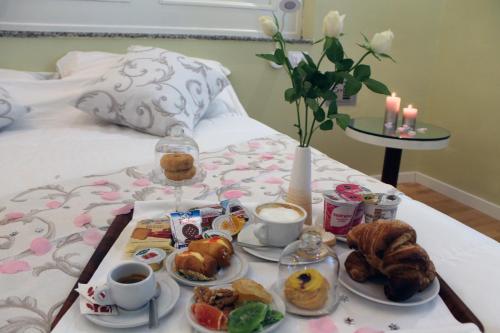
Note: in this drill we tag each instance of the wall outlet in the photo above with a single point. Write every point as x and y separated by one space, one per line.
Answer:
342 99
295 57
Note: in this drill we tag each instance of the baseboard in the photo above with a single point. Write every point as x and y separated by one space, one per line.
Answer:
471 200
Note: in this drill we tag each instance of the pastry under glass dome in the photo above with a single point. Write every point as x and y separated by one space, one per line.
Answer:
308 276
177 162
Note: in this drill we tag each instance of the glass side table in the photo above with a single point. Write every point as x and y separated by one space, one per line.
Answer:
371 130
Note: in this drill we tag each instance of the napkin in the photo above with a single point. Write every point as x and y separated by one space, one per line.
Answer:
88 304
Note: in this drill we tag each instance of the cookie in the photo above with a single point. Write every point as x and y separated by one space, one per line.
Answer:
180 175
190 231
177 162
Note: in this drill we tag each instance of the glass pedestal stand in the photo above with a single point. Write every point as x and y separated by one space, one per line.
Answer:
160 179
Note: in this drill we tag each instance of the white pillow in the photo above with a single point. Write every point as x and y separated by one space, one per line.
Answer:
92 64
152 89
10 110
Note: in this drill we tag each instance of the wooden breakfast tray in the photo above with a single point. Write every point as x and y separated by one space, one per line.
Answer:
456 306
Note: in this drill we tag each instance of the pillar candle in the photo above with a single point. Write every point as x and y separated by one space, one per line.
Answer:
392 104
410 116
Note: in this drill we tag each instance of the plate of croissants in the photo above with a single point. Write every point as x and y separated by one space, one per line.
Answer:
387 265
206 262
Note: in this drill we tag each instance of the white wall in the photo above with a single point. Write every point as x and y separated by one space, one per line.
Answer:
195 17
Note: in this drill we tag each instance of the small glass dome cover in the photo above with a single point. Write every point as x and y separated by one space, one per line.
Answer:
308 276
177 159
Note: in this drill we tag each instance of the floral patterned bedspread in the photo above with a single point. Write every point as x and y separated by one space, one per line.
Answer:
48 233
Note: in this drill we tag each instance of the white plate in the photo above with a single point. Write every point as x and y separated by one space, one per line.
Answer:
277 304
374 291
237 270
246 235
170 293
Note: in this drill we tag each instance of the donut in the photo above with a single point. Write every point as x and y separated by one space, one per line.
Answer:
180 175
177 162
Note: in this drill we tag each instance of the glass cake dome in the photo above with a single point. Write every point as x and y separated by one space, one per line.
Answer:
177 159
308 276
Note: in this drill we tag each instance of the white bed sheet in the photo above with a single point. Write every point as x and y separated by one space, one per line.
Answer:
64 143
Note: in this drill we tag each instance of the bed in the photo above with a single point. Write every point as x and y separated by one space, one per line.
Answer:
61 168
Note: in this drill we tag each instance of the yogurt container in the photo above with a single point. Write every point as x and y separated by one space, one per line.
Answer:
151 256
380 206
342 211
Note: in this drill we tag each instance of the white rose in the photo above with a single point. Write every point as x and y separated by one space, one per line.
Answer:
333 24
382 42
268 25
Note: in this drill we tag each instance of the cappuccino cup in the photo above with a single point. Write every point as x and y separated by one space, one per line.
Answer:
129 285
278 224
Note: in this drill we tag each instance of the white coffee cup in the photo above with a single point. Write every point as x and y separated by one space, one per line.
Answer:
129 285
278 223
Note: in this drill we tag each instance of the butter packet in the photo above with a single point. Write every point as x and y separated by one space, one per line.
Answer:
150 233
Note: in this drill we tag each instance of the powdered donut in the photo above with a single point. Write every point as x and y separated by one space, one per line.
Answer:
177 162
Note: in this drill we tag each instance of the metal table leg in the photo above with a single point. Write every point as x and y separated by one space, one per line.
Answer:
392 160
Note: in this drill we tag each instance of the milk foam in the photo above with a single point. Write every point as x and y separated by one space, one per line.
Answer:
279 214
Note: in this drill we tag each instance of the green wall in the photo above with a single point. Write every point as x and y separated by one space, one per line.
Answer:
435 58
465 97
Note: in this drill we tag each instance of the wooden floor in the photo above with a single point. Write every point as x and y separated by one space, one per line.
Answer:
465 214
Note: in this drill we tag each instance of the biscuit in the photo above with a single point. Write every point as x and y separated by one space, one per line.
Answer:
177 162
180 175
140 233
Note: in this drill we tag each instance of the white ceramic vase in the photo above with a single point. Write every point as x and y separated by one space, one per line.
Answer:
299 191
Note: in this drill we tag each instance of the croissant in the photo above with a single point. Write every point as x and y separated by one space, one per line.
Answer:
390 247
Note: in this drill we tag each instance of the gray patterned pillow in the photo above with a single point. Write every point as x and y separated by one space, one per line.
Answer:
152 89
10 110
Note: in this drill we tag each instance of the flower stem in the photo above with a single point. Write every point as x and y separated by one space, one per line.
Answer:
360 60
305 127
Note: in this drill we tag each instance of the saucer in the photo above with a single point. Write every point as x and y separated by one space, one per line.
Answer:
235 271
246 235
170 293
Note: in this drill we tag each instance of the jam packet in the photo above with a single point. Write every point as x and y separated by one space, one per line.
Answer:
186 226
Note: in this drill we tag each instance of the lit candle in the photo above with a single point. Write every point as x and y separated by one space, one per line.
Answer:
392 104
410 116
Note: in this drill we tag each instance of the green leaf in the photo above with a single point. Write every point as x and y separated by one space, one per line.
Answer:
328 43
307 86
344 64
365 38
326 125
384 55
352 87
335 77
291 95
335 51
328 95
362 72
332 109
343 120
309 60
279 55
319 115
312 103
269 57
377 87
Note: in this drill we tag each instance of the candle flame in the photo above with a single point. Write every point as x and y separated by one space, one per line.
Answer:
393 94
410 106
